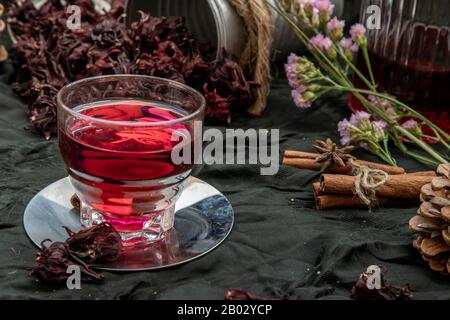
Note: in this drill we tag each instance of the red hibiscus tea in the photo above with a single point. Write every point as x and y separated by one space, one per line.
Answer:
110 164
118 153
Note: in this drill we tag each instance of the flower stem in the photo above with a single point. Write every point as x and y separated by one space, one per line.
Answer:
409 109
369 65
401 146
421 144
393 124
339 80
356 70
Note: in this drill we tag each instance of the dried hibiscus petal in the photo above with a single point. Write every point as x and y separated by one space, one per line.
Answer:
241 294
48 56
363 291
52 263
101 243
96 244
218 107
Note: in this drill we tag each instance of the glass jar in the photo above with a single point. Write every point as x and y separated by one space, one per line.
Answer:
410 54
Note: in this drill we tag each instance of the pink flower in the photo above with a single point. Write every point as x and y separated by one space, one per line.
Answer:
335 25
306 3
410 125
299 100
355 121
292 72
385 106
292 75
380 124
324 7
362 130
321 43
358 117
348 44
357 31
346 137
413 127
364 145
293 58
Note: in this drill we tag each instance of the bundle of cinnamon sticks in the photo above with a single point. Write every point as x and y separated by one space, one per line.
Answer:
336 187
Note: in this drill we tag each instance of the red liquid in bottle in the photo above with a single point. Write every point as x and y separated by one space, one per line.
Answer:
420 85
124 170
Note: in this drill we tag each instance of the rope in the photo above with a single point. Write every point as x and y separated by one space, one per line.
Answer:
256 54
367 181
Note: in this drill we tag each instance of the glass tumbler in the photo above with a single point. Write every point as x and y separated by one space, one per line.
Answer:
129 143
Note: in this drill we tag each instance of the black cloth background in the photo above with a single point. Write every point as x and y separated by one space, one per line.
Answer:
280 244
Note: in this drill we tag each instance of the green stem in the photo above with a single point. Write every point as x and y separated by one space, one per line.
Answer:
441 135
440 139
421 158
421 144
386 156
386 150
344 84
409 109
355 70
401 146
369 65
403 131
397 127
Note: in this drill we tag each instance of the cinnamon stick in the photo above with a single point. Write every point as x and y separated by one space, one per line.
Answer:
405 186
424 173
332 201
300 154
311 164
317 190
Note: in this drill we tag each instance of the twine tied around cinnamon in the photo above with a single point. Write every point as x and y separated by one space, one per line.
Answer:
255 57
367 181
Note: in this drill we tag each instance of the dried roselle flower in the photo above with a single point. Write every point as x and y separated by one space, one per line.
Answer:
144 64
241 294
100 243
149 31
117 8
196 70
111 33
48 56
229 81
52 263
366 287
218 107
42 115
166 62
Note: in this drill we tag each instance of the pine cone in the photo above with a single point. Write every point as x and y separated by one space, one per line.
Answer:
433 222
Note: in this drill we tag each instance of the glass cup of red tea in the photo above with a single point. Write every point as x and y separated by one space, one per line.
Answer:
118 135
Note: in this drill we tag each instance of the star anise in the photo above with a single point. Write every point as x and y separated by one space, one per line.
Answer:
330 154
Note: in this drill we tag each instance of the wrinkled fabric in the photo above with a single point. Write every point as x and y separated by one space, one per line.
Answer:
280 244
